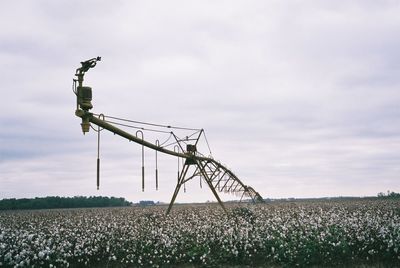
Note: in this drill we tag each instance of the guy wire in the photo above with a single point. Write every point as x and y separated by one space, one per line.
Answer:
141 128
208 145
151 124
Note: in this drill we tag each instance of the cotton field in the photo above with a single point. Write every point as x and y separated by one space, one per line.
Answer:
278 234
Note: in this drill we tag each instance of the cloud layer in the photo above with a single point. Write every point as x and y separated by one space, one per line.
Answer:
300 99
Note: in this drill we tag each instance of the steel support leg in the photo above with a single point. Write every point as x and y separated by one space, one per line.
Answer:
207 179
178 186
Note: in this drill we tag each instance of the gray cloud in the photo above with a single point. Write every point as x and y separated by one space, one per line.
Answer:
298 98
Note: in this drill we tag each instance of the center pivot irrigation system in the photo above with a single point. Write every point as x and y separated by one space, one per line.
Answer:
194 164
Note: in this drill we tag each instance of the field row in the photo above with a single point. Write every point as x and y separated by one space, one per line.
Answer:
306 233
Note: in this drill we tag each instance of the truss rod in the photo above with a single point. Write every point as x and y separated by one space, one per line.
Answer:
115 130
151 124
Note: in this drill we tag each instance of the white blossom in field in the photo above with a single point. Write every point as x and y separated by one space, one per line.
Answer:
284 233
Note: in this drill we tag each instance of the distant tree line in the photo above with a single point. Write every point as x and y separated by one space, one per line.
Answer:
62 202
389 194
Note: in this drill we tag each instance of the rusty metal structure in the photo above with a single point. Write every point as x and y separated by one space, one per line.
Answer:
193 163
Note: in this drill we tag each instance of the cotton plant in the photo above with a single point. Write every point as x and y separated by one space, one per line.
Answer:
282 233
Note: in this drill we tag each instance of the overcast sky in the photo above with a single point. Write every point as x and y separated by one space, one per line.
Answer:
298 98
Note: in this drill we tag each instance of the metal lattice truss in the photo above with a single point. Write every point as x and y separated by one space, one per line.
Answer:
218 178
223 180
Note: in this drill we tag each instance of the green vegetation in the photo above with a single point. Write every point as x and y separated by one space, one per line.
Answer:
389 194
62 202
